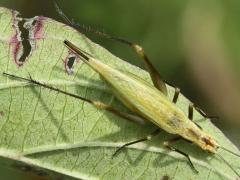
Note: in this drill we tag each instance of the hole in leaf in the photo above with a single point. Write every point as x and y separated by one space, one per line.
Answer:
25 41
69 62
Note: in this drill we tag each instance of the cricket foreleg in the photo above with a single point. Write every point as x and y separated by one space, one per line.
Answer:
97 104
147 138
168 144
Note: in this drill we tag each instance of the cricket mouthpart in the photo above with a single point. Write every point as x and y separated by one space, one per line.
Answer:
209 144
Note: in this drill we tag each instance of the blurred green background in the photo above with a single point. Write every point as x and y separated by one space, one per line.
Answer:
194 45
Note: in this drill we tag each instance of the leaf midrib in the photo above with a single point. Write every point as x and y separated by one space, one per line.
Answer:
139 146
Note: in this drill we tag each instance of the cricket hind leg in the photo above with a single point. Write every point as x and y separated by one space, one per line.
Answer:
97 104
155 76
168 145
147 138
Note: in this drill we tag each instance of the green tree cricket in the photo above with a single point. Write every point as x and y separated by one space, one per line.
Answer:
147 103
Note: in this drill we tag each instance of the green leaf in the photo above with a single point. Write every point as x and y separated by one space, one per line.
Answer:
48 130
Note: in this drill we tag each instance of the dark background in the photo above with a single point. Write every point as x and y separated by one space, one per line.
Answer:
194 45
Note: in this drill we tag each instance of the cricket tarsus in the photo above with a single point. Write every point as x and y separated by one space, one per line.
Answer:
155 76
149 137
97 104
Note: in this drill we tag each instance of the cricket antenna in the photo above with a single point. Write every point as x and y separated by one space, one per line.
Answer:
225 149
31 80
229 165
88 28
61 13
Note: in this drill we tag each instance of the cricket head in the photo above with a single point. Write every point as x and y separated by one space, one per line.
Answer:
207 143
202 139
210 145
